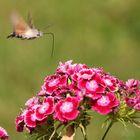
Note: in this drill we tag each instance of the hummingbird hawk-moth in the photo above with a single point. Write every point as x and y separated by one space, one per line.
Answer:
24 30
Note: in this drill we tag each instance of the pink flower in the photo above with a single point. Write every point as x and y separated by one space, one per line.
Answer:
30 118
78 67
52 83
45 109
32 101
137 92
105 104
65 67
69 68
137 106
3 134
111 83
93 88
19 123
122 85
133 102
83 74
132 85
98 70
76 91
67 110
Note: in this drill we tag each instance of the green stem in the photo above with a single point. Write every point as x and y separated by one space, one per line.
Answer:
110 125
83 130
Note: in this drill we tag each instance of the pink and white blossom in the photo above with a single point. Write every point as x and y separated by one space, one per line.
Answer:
52 83
32 101
111 83
3 134
132 85
105 103
93 88
30 118
46 108
67 110
133 102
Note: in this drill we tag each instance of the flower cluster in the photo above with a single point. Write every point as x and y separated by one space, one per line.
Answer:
3 134
73 90
82 82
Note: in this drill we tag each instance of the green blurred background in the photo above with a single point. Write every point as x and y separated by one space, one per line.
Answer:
96 32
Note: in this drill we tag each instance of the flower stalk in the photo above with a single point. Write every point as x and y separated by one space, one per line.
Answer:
107 130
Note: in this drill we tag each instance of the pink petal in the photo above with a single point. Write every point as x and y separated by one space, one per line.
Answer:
30 119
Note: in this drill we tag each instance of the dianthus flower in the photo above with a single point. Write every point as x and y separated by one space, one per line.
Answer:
53 82
19 123
92 87
105 103
67 109
133 102
132 85
3 134
46 108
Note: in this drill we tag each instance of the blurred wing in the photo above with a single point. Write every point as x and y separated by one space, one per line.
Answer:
30 20
19 25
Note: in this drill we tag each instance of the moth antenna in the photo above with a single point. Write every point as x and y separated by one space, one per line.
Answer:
52 34
48 26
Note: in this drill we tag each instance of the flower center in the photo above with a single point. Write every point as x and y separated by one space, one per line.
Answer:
86 76
66 107
92 85
43 108
33 117
108 82
53 83
103 101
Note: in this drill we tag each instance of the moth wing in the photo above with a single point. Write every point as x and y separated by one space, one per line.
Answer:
19 25
30 20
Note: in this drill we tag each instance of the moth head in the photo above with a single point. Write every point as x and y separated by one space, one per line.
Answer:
37 33
40 33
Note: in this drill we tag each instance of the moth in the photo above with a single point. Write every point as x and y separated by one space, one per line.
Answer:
24 30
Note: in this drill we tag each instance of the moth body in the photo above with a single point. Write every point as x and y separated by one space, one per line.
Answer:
23 30
29 34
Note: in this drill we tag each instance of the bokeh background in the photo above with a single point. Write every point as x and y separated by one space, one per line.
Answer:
96 32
